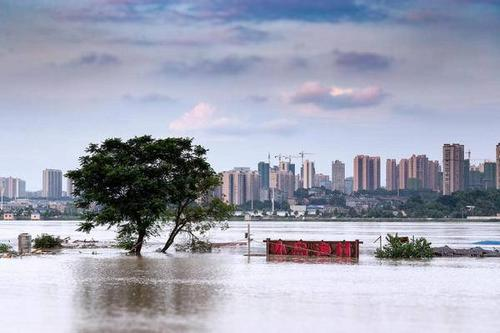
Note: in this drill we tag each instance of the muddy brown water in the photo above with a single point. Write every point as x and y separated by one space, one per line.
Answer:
76 291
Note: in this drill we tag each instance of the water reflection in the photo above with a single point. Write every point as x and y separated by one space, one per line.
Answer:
144 294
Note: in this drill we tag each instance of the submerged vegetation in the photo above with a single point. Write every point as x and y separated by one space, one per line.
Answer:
5 248
45 241
125 242
396 248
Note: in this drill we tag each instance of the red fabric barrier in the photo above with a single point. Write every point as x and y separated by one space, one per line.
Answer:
300 249
324 249
347 249
312 248
277 248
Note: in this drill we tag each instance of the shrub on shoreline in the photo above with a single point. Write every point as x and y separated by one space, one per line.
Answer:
45 241
396 249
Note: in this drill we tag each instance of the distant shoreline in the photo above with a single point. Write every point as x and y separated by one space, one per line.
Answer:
309 219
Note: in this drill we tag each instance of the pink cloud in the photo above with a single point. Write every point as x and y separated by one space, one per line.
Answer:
334 98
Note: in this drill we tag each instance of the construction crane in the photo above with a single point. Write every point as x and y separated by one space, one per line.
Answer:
281 157
302 154
484 160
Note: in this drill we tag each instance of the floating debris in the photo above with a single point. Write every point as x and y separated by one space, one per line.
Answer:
447 251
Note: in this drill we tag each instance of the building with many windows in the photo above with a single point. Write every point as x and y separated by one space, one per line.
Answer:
263 169
338 176
52 184
453 168
308 174
240 185
366 173
391 175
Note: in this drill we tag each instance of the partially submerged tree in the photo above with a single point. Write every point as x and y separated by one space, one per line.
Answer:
143 184
398 248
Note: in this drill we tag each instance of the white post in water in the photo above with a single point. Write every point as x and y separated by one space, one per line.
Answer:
248 241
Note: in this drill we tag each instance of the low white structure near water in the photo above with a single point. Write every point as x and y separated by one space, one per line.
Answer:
8 216
35 216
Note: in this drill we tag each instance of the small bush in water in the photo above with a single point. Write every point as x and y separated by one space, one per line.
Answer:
4 248
125 242
396 249
45 241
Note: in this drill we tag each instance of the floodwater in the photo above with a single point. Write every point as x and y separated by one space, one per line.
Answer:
77 291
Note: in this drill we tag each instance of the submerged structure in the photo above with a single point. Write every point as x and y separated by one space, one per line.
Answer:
302 248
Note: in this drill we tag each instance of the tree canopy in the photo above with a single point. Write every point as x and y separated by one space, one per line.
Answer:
143 185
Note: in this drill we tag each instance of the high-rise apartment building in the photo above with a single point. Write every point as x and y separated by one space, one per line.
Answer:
366 173
453 168
240 185
321 180
338 176
498 166
403 173
284 181
69 188
467 174
287 166
391 175
52 184
263 169
308 174
418 169
489 175
348 185
13 188
416 173
433 174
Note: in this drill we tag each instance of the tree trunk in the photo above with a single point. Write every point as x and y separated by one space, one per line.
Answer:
138 245
171 238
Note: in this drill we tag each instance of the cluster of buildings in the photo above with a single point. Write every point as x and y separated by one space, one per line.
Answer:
418 173
279 183
52 187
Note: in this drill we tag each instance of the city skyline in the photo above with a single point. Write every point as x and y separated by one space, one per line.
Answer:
319 76
393 176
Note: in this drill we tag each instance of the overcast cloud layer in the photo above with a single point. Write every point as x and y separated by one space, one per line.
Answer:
247 77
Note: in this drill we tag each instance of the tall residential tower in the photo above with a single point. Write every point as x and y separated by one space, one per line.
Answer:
338 176
366 173
52 184
453 168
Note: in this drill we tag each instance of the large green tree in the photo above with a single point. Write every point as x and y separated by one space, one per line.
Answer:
143 185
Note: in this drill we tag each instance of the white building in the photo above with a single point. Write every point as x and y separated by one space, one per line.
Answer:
308 174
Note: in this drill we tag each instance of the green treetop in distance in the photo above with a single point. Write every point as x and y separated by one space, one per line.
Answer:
144 185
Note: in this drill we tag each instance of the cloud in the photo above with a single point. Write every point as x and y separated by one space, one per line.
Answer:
230 65
148 98
362 61
257 99
335 98
299 10
96 59
201 117
226 11
242 34
206 118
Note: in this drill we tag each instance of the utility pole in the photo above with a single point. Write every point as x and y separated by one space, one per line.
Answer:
248 241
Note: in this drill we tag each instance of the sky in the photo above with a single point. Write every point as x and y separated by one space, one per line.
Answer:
244 78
